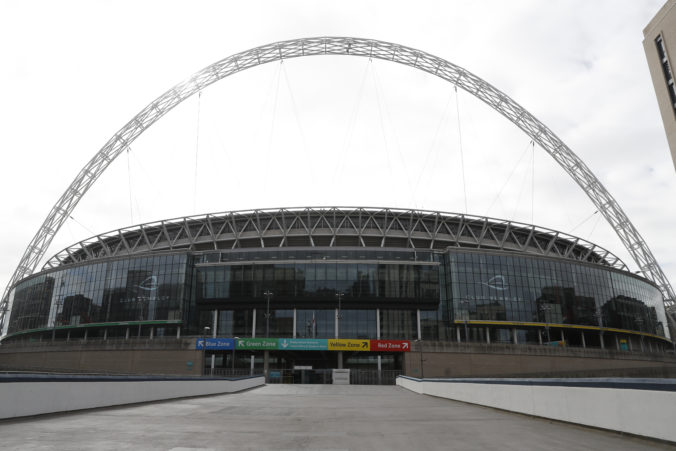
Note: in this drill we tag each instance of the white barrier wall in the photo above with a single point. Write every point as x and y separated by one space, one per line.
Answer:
18 399
636 411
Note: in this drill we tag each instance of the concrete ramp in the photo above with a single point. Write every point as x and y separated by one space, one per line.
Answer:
317 417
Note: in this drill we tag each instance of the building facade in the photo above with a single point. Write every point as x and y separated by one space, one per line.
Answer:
659 44
348 273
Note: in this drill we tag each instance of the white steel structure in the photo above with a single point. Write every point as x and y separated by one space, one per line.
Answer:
370 48
331 227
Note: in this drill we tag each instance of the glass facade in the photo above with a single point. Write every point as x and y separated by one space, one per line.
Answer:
311 323
386 293
136 289
494 287
318 282
32 304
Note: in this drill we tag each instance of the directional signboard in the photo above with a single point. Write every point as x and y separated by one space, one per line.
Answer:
349 345
300 344
251 344
215 344
391 345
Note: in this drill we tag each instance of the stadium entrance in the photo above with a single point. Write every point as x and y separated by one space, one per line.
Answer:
305 361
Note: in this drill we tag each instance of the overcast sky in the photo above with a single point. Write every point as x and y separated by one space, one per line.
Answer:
330 130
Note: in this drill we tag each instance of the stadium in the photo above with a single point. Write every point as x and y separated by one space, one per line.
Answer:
340 273
317 288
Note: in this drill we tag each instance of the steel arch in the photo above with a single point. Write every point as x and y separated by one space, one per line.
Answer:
370 48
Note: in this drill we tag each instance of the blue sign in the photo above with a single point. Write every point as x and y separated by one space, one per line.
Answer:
302 344
215 344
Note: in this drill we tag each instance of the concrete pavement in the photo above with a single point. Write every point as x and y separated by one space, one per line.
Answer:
317 417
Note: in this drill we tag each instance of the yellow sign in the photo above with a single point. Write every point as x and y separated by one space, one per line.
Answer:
349 345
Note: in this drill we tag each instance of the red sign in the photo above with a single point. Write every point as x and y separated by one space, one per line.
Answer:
391 345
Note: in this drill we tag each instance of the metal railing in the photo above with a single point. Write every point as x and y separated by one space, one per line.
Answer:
155 342
374 377
540 349
325 376
229 372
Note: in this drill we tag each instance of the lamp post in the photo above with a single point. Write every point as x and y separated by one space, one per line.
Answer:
268 295
204 349
339 295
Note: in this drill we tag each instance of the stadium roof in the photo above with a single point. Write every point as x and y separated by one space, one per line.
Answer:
334 227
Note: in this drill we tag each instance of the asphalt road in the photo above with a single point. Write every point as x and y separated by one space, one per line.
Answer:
307 417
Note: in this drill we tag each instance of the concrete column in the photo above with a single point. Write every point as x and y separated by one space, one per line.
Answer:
152 332
86 333
213 363
417 312
68 336
53 334
105 334
266 362
251 369
642 344
563 337
378 323
126 334
457 333
488 335
514 337
650 346
178 332
340 360
540 336
380 369
214 324
294 323
603 345
584 343
253 328
617 343
336 325
631 345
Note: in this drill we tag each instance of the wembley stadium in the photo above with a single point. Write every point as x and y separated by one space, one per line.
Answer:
316 288
340 273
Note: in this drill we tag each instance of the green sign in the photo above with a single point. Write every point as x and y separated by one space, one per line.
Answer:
252 344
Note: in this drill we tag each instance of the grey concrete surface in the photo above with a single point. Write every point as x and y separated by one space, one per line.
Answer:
316 417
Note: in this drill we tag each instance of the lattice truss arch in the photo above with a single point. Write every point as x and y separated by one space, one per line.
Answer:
334 226
417 59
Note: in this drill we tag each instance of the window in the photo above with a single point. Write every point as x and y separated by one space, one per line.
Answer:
666 69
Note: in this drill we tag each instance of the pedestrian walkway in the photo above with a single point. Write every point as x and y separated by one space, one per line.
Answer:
317 417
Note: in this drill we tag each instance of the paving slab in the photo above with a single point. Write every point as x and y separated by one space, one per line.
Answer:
307 417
